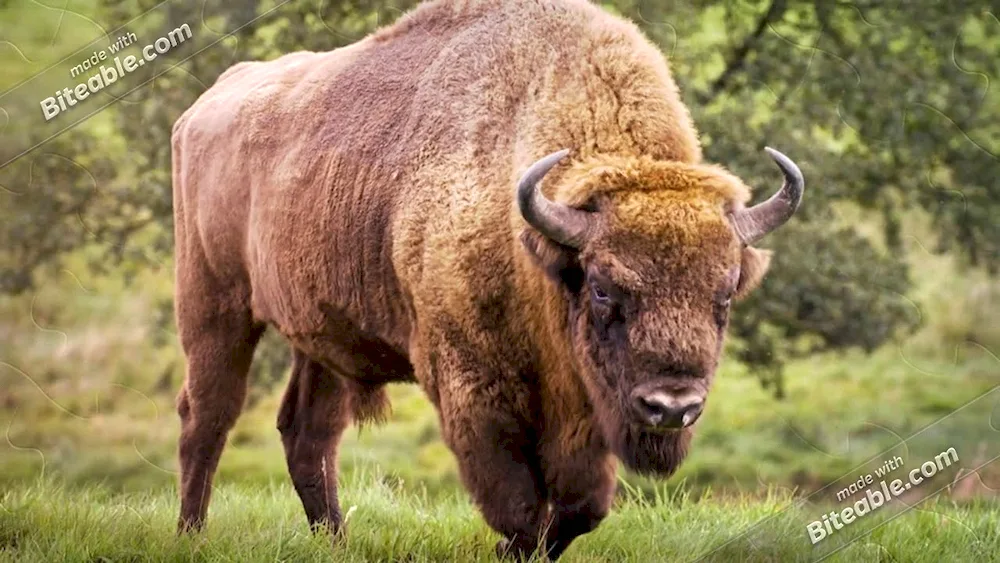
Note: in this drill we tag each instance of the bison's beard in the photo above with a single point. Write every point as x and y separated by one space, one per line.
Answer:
651 453
641 450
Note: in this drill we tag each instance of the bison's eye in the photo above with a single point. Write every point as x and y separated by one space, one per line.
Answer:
607 310
600 296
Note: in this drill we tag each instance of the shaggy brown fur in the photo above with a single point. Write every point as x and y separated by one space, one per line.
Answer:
361 202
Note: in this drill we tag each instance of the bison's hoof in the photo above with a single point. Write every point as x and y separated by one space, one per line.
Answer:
334 530
189 526
514 550
505 550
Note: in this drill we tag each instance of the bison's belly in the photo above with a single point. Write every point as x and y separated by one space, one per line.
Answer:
344 347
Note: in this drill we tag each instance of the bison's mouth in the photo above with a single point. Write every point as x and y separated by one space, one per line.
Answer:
658 430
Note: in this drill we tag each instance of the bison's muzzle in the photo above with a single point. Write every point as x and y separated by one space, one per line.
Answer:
661 410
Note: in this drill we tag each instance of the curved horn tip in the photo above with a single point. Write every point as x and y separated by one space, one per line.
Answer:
754 223
552 159
534 174
566 225
786 164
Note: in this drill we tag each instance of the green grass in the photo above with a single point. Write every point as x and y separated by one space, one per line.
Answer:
45 522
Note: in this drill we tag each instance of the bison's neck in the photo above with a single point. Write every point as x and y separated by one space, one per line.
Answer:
542 311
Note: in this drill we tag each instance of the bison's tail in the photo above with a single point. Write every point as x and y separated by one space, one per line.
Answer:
370 405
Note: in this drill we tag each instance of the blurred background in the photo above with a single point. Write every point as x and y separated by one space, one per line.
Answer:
877 319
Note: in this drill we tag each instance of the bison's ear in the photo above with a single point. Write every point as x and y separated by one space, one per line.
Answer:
752 270
559 262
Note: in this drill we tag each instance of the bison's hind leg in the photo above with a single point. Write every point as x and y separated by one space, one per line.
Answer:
314 412
219 346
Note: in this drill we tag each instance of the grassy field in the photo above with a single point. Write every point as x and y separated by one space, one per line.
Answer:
44 522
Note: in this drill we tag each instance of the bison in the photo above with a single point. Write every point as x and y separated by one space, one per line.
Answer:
503 202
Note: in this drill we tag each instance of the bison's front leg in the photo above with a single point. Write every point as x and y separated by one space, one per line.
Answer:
580 479
497 462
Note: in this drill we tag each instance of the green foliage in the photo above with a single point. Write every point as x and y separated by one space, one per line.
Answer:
832 290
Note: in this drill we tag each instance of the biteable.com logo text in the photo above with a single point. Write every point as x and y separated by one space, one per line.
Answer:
109 73
877 495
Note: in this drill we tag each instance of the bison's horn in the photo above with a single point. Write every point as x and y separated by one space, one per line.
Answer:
564 224
753 223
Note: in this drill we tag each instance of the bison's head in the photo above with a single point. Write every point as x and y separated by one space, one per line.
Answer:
649 255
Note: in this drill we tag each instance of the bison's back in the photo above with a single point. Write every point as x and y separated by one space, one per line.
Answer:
373 184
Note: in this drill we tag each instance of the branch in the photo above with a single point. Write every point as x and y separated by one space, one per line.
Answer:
738 58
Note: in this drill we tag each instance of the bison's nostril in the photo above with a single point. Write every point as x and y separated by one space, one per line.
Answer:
662 410
652 410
